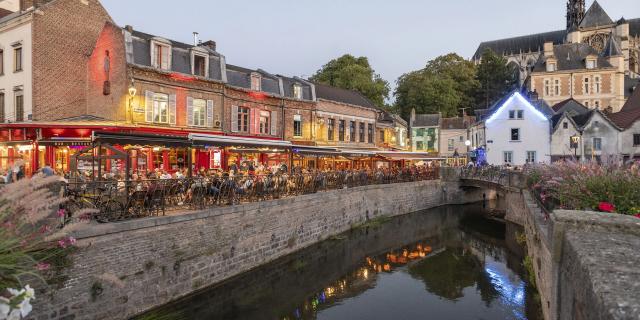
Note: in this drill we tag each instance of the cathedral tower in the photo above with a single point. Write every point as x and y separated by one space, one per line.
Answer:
575 13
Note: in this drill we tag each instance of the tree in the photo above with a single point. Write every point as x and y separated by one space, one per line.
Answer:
349 72
496 78
446 84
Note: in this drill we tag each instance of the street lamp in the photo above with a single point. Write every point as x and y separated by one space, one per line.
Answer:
468 144
574 141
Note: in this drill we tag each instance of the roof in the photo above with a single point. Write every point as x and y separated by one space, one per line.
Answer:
241 77
612 48
625 118
288 85
629 85
528 43
5 12
595 17
571 106
634 27
582 119
426 120
633 102
343 95
455 123
571 57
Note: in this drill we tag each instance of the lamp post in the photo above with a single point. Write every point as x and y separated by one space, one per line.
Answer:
574 141
468 144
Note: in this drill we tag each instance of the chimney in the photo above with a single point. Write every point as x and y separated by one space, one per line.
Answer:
533 95
195 38
210 44
129 28
548 49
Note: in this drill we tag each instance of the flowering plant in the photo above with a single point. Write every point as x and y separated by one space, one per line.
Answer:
32 239
611 186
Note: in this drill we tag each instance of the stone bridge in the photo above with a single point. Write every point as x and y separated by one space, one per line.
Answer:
585 263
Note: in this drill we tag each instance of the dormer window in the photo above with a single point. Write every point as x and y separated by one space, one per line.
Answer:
297 91
592 63
256 82
161 55
199 64
551 66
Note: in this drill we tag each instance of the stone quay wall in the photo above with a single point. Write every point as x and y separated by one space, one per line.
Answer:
123 269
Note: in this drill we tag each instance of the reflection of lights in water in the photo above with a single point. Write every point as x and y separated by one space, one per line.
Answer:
365 273
511 293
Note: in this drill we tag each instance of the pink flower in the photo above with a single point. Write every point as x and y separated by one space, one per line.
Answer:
45 229
637 215
42 266
61 213
62 244
71 241
606 207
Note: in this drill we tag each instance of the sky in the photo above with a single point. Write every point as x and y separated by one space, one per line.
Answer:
296 37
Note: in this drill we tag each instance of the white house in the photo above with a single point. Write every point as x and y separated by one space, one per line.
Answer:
517 132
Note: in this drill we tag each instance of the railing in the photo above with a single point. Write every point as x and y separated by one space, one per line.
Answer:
117 200
492 174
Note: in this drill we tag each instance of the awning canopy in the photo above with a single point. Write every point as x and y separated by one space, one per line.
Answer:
142 139
217 140
65 142
317 151
415 156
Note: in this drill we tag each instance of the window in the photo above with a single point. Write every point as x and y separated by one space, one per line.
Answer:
361 132
565 125
520 114
297 125
636 138
160 108
243 119
265 122
381 136
556 87
199 112
531 157
596 104
515 134
461 138
597 144
17 59
199 65
352 131
297 91
508 157
370 132
420 132
1 62
512 114
341 129
551 67
2 114
419 145
19 106
161 56
330 129
256 82
596 84
451 144
591 64
547 88
586 86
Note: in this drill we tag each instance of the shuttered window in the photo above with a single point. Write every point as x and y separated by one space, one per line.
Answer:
242 119
361 132
2 112
265 122
199 112
19 106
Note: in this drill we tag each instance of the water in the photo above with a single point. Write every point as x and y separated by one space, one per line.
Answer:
444 263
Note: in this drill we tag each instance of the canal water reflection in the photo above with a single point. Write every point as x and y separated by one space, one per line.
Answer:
445 263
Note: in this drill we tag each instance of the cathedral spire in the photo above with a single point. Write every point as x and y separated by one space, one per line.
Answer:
575 13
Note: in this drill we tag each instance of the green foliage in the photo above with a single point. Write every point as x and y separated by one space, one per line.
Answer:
528 266
495 78
446 84
349 72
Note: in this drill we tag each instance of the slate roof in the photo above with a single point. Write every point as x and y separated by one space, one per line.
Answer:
629 85
288 84
633 102
571 57
528 43
342 95
426 120
634 27
612 48
595 17
455 123
181 55
241 77
570 105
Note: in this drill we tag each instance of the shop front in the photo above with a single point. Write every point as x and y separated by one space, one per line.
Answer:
391 159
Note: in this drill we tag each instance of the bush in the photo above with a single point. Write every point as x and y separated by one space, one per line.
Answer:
611 186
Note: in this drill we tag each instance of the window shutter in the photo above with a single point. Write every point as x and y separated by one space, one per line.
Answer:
253 128
148 106
154 53
210 113
274 123
166 58
172 109
234 118
189 111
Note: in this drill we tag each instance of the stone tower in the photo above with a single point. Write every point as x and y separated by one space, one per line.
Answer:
575 13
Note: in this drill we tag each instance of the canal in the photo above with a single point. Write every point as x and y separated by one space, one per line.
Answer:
452 262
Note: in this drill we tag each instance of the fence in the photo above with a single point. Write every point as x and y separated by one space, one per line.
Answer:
118 200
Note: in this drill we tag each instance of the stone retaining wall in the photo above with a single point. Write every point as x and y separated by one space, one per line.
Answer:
123 269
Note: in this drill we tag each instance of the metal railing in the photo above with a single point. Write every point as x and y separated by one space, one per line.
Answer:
117 200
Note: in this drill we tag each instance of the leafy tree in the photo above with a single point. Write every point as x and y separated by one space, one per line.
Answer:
496 78
349 72
446 84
